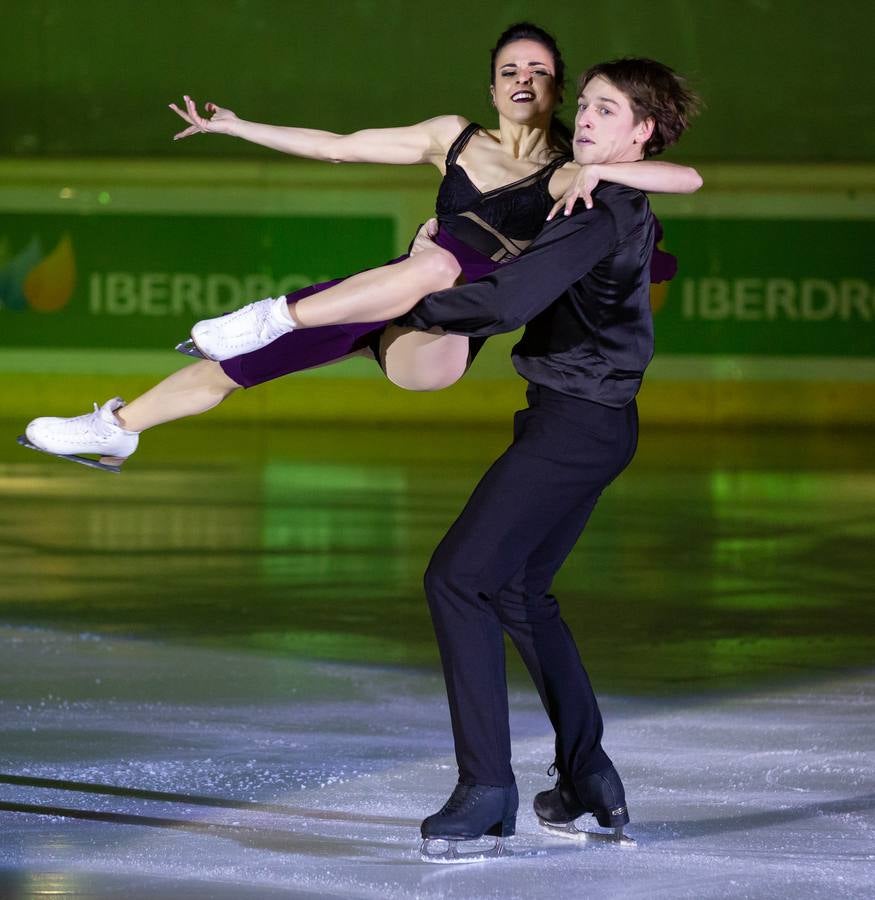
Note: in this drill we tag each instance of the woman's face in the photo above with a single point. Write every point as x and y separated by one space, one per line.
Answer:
524 89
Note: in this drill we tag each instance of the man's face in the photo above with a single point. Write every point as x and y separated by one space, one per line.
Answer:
605 130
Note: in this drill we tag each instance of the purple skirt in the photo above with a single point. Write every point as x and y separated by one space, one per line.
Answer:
310 347
301 349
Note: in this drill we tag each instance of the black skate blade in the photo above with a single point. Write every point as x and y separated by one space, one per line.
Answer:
452 855
570 831
82 460
189 348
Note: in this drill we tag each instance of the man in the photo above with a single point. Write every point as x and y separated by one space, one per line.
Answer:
583 289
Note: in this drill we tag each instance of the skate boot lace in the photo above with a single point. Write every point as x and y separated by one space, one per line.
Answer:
265 324
242 330
91 423
458 799
94 426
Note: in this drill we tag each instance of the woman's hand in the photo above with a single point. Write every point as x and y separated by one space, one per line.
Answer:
221 120
424 239
580 189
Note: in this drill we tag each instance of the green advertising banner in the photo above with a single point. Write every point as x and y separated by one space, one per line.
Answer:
140 281
758 286
770 287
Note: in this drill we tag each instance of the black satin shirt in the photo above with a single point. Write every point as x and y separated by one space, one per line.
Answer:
582 289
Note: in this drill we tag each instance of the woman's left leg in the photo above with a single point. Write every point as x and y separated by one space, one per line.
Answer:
375 295
378 295
423 360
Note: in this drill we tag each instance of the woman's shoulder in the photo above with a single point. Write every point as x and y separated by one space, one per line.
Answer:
445 129
441 133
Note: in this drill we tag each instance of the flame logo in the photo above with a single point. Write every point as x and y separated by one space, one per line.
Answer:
43 283
49 285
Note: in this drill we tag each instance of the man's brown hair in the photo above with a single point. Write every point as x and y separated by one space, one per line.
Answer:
655 92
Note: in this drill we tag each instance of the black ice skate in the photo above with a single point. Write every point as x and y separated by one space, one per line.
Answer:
600 794
189 348
473 811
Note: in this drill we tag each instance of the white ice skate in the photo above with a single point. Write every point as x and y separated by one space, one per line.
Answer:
189 348
97 433
242 331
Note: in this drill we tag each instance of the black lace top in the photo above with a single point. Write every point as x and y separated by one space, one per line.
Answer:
500 223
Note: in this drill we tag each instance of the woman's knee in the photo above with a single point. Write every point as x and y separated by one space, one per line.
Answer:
439 268
211 376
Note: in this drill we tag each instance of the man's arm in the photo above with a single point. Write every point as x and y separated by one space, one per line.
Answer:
564 251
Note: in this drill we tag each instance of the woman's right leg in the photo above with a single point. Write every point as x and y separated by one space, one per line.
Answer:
112 431
192 390
195 389
413 360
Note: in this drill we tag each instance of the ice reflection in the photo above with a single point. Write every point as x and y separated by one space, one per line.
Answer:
690 571
333 520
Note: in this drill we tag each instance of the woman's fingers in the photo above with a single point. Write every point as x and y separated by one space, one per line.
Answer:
556 207
188 132
190 114
586 193
191 109
570 200
195 117
179 112
567 201
197 122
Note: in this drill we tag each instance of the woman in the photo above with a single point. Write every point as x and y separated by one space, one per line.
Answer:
498 188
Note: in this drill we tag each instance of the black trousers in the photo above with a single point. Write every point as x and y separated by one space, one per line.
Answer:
492 572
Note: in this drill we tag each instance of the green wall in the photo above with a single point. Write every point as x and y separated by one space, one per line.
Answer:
784 81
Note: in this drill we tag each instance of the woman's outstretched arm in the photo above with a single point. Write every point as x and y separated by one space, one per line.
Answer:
574 182
425 142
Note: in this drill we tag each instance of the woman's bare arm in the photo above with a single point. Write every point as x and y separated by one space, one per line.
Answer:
572 182
425 142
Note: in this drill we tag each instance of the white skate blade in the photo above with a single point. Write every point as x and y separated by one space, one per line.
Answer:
105 463
451 855
189 348
572 832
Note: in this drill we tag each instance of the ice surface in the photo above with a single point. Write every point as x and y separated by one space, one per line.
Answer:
165 770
